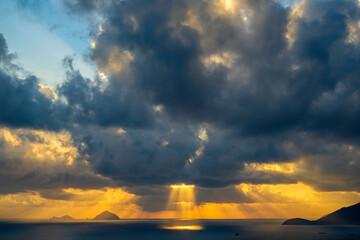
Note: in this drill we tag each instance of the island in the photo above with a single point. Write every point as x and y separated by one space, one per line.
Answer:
63 218
344 216
106 216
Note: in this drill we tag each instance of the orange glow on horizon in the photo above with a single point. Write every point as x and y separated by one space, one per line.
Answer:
269 201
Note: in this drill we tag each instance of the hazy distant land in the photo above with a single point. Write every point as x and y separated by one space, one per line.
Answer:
106 215
63 218
344 216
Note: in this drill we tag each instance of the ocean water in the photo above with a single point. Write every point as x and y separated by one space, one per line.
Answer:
172 230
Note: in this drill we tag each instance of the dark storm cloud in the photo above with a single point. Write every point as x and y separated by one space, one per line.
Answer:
282 82
151 198
327 164
40 180
289 75
140 157
57 194
24 108
21 102
24 105
168 56
91 103
279 75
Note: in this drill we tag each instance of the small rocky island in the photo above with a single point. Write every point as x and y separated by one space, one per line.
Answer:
106 216
63 218
344 216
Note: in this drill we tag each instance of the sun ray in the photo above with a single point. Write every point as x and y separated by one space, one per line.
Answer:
182 201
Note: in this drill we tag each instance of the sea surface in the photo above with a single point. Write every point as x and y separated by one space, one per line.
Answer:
171 230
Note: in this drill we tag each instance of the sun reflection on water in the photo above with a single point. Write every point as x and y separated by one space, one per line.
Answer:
183 227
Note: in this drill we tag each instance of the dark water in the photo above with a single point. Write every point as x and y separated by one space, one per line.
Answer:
159 230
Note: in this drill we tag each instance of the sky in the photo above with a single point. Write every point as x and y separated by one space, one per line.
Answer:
179 108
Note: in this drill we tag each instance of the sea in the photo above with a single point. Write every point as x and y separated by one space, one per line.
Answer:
254 229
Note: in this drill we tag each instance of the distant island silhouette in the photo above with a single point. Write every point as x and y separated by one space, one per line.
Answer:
344 216
106 216
63 218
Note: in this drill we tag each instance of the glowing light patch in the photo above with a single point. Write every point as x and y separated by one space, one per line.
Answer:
118 61
229 5
203 135
271 167
297 12
120 131
225 6
48 146
48 92
134 23
182 186
102 75
193 21
93 41
199 151
191 227
354 33
226 59
158 108
164 143
8 137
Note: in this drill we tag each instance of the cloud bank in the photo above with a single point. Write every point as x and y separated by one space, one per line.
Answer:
202 93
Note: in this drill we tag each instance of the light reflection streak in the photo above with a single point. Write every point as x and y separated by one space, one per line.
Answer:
189 227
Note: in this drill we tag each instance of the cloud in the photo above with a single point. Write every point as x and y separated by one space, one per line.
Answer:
48 92
202 64
26 103
80 204
139 156
22 102
263 86
102 103
23 105
241 88
264 76
4 52
43 160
